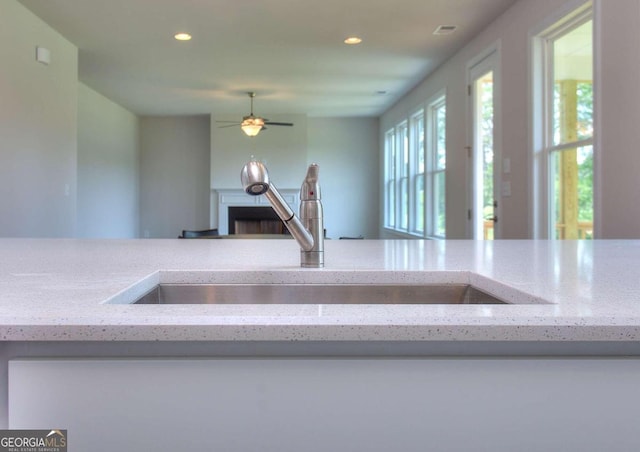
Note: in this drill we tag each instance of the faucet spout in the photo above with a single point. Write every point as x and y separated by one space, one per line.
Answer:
308 230
291 221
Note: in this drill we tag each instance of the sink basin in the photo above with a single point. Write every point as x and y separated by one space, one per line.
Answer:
317 294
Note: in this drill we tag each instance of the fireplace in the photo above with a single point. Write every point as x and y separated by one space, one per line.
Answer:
255 220
256 214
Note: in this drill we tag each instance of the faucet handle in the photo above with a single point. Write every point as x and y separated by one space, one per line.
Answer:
312 172
310 189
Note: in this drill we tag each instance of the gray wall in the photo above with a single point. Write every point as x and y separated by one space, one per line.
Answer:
282 149
347 151
511 32
617 42
174 175
345 148
39 139
619 116
108 168
72 157
38 117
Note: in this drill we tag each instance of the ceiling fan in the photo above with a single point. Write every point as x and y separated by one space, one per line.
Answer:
251 124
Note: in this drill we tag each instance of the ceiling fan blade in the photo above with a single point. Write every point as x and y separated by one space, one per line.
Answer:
252 120
279 123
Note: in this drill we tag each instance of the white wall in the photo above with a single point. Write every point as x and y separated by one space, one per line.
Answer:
174 175
617 43
38 113
108 168
346 150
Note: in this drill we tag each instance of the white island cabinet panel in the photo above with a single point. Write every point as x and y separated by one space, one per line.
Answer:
319 405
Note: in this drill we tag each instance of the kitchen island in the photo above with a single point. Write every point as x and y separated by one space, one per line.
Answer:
572 312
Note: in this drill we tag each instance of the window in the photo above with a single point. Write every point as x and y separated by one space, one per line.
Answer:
565 127
437 162
415 159
399 148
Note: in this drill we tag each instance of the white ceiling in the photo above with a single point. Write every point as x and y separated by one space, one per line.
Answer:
288 51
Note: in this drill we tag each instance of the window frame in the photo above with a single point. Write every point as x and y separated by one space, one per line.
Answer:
403 173
417 139
399 178
389 179
408 195
543 147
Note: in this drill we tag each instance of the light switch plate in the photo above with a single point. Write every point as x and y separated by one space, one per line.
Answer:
506 189
506 165
43 55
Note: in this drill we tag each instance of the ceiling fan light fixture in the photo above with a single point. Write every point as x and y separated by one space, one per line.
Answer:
252 126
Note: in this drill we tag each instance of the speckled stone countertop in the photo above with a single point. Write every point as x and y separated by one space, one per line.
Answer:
79 290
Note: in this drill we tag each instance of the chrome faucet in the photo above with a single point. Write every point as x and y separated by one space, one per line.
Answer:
308 230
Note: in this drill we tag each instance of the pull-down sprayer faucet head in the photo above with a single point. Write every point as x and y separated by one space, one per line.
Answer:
255 178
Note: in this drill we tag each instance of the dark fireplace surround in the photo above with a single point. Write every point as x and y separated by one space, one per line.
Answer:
255 220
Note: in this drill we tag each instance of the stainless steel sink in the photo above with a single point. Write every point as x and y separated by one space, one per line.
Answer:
316 294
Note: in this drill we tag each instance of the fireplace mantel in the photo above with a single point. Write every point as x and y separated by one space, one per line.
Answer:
237 198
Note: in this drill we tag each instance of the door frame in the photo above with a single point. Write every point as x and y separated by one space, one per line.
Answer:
486 61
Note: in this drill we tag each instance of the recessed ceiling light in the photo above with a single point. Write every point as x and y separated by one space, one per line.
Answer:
182 36
352 40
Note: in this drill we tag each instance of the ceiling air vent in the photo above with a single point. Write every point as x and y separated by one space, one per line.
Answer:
445 30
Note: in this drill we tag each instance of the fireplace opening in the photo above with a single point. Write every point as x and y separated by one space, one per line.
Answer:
255 220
